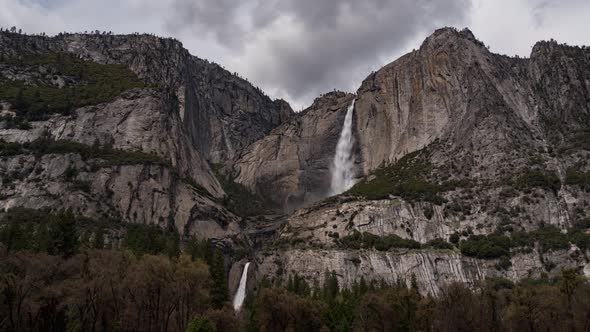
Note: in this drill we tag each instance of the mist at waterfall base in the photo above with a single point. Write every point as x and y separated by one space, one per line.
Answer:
241 292
342 166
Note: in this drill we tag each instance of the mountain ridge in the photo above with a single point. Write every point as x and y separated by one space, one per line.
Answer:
452 142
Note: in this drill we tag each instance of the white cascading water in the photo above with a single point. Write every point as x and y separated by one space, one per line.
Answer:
241 292
342 177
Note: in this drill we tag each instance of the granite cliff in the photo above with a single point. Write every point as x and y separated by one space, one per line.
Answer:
456 145
186 114
469 164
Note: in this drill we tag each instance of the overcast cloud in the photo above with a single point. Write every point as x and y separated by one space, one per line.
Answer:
297 49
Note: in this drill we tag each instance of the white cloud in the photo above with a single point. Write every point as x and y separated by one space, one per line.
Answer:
513 26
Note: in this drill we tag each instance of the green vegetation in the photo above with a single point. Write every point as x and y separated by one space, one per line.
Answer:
41 231
239 199
498 245
575 177
486 247
492 305
407 178
152 240
201 324
79 288
492 246
438 244
539 179
358 240
579 140
94 84
112 156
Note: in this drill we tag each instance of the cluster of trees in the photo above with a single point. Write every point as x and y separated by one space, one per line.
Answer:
548 238
576 177
91 84
102 290
39 231
491 246
544 179
43 146
409 178
59 272
561 303
13 29
53 277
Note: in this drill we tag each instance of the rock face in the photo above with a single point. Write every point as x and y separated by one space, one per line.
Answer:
222 112
432 270
291 166
476 129
198 113
138 120
452 89
450 140
226 112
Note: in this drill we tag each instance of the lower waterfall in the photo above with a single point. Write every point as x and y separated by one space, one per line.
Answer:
342 177
241 292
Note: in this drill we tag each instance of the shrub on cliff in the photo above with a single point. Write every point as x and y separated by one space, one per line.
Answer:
539 179
407 178
579 178
88 83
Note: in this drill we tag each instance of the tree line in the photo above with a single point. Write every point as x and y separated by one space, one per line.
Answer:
546 304
62 272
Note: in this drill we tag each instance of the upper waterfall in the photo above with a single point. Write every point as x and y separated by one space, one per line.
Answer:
241 292
342 166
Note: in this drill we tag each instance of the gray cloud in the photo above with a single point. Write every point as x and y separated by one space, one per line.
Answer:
300 48
297 49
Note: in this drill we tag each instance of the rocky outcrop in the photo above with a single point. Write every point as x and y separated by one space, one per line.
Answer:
139 120
222 112
431 270
291 166
195 112
475 142
148 194
486 126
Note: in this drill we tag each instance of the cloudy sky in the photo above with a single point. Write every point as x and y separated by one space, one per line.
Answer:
297 49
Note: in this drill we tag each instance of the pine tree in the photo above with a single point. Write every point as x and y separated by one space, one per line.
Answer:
98 240
331 287
201 324
363 287
63 238
19 101
290 284
219 291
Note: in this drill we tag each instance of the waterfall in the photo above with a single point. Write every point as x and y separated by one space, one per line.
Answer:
241 292
342 177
